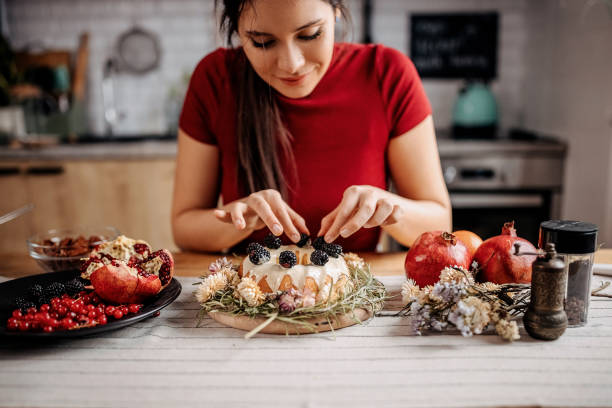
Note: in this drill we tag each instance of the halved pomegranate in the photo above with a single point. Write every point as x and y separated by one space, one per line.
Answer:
126 271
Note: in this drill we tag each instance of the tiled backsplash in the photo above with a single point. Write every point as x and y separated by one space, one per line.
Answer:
186 31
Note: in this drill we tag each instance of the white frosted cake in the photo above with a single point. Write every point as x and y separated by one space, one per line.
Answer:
281 273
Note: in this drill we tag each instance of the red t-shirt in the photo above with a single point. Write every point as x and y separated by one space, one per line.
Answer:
369 94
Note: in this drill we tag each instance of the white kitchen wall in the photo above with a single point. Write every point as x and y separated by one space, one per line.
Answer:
568 93
390 27
186 30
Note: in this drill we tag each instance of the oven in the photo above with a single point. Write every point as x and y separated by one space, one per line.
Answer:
492 182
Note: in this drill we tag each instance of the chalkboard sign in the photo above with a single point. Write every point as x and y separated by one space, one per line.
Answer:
455 45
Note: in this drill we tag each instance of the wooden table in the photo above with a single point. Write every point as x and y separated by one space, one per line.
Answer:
170 361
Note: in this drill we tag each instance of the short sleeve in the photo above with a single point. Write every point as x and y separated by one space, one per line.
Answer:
402 91
201 103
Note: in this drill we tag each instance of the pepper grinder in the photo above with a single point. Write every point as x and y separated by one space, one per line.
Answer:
545 318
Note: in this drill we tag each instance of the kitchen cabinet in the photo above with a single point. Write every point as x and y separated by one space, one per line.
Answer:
132 195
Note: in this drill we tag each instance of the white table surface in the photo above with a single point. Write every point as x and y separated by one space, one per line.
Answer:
167 361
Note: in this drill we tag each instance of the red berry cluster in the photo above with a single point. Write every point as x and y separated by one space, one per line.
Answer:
66 313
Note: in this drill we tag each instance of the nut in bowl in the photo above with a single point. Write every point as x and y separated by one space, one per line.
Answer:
64 249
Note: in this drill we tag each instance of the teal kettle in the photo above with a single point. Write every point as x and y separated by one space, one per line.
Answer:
475 114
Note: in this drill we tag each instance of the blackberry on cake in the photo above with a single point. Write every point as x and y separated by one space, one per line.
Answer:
318 243
272 241
304 240
287 259
319 257
253 246
333 250
259 256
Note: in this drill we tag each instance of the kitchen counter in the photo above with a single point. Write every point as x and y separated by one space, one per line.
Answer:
194 264
150 149
147 149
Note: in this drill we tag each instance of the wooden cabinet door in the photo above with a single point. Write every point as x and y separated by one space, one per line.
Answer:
135 196
13 195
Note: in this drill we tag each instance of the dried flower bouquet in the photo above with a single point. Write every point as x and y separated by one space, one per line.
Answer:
457 300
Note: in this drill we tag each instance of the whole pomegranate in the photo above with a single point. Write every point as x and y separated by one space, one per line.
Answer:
497 262
431 252
126 271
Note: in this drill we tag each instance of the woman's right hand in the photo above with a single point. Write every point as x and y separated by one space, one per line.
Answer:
264 208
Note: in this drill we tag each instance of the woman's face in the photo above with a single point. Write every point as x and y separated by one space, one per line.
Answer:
288 42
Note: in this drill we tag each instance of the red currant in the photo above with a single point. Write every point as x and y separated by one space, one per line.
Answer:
134 309
24 326
109 310
48 329
31 310
118 314
44 308
92 314
102 320
17 313
12 324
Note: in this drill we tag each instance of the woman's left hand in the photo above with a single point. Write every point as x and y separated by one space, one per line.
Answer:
361 207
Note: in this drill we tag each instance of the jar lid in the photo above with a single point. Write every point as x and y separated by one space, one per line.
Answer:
569 237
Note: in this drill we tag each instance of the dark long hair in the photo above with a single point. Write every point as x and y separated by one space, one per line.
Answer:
265 156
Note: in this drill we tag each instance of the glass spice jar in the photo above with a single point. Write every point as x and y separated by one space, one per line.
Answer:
575 242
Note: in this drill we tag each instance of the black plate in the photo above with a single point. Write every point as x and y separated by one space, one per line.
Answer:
12 289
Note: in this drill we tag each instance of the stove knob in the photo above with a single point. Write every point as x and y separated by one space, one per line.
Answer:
450 174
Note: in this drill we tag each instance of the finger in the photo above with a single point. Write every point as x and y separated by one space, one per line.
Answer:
395 216
383 210
345 210
237 214
264 211
223 215
327 222
367 207
298 221
279 207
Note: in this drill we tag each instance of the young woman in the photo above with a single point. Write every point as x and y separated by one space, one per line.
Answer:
299 134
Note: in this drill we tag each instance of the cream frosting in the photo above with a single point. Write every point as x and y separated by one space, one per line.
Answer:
274 273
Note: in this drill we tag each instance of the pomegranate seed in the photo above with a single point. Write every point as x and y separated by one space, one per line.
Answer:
118 314
109 310
17 313
44 308
48 329
102 320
